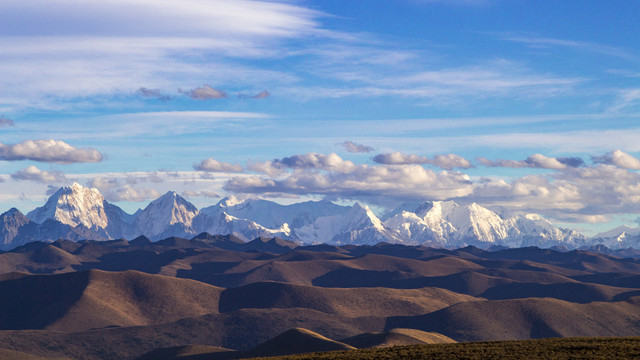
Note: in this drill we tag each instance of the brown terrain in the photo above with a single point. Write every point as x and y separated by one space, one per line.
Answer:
219 298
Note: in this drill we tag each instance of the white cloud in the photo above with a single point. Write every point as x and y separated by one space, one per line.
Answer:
618 158
331 162
61 49
213 165
113 190
129 193
628 98
446 161
32 173
398 158
450 161
387 183
265 167
48 151
352 147
545 42
200 194
538 161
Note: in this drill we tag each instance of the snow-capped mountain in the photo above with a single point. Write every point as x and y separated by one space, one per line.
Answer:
77 205
359 225
172 215
168 215
76 212
447 224
622 237
16 230
221 223
273 215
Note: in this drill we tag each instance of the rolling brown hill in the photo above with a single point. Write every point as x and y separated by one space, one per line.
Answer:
350 302
95 299
528 318
296 341
121 299
396 337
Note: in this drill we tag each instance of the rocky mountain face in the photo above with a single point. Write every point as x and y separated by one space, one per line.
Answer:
76 212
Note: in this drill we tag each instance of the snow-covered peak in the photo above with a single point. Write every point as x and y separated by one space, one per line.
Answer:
616 232
163 212
73 205
361 216
230 201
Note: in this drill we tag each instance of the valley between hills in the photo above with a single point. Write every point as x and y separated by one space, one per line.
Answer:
219 297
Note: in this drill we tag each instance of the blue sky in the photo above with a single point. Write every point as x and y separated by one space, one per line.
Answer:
531 106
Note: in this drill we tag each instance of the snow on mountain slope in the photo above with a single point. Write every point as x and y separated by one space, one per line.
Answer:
447 224
358 226
221 223
77 205
168 215
273 215
534 230
73 205
622 237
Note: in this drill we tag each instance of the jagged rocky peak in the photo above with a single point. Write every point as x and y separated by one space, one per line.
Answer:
12 218
73 205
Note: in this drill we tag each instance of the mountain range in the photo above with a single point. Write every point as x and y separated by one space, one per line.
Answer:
77 213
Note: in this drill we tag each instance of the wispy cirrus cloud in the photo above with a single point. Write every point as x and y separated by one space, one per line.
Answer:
116 50
535 41
625 100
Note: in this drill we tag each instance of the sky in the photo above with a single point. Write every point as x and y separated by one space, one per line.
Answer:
526 106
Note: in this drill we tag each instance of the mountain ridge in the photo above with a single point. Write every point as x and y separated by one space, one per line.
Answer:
76 212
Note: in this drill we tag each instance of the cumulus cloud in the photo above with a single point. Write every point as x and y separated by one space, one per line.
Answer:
312 161
618 158
538 161
447 161
153 93
200 194
331 162
352 147
582 194
450 161
5 122
265 167
32 173
398 158
213 165
129 193
113 190
204 92
362 182
48 151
